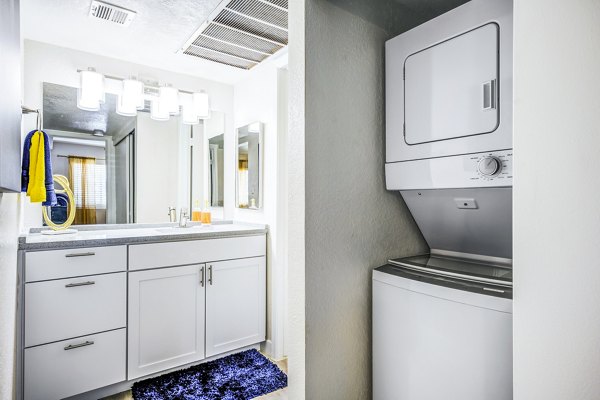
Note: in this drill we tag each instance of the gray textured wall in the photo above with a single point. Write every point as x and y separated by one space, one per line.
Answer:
352 223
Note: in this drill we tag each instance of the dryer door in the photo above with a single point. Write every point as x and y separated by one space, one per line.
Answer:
449 85
450 88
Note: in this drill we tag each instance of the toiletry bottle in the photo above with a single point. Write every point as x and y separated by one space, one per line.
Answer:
206 218
197 212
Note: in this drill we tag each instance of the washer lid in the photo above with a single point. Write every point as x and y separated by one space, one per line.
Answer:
458 268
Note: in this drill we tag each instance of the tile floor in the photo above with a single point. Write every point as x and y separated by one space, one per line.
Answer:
278 395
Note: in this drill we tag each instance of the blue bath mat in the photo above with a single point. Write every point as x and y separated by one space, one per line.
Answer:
240 376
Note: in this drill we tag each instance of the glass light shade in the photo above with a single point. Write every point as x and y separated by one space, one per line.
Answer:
188 114
158 111
126 108
169 97
91 90
133 92
200 101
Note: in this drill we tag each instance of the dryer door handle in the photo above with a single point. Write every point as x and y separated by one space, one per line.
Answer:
489 95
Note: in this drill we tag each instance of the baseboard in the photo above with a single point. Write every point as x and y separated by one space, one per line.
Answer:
266 348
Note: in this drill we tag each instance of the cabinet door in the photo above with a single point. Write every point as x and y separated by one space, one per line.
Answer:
166 318
10 100
450 89
235 304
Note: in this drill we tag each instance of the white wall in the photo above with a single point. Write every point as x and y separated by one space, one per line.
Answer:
47 63
9 229
556 200
352 223
294 212
256 98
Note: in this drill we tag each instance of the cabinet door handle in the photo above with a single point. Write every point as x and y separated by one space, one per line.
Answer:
75 346
86 254
202 276
80 284
210 281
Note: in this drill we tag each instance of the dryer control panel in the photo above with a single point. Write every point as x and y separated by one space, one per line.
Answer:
489 169
492 166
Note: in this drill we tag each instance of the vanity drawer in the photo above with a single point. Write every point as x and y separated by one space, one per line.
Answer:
154 255
66 308
56 264
63 369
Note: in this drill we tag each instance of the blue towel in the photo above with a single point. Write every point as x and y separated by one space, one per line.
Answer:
49 180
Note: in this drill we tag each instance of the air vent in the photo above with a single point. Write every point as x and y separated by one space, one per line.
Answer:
111 13
241 33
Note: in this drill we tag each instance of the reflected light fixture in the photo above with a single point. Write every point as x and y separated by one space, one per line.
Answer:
200 104
169 97
91 90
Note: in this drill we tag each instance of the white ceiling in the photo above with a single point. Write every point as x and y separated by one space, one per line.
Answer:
154 38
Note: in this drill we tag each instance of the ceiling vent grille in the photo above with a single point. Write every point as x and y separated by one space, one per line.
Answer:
111 13
241 33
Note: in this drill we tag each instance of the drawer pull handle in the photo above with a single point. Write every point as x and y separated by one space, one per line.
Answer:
202 277
210 281
80 284
75 346
89 253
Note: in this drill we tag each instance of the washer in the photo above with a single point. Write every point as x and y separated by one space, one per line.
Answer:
442 329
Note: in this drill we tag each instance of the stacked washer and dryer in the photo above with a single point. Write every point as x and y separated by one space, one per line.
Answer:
442 322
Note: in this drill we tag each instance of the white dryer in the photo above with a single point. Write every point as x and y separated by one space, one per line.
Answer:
449 100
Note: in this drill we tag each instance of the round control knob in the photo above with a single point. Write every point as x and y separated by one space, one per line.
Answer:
489 166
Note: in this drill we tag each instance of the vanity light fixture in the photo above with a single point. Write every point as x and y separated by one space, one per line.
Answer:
169 98
164 100
91 90
200 104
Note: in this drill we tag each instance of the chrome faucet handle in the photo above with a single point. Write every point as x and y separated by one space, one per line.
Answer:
183 217
172 214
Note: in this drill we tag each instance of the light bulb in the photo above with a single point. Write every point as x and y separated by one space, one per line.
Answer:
91 90
169 97
200 101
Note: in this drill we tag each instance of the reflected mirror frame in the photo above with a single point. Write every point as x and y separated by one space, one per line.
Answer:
260 165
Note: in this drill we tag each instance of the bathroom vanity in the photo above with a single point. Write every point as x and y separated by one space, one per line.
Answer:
104 308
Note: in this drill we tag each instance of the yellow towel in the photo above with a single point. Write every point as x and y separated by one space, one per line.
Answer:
36 189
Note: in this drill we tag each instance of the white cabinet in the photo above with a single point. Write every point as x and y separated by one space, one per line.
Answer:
62 369
166 318
68 308
97 316
235 304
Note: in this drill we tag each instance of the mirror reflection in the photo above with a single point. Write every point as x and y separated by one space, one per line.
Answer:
216 145
249 168
129 169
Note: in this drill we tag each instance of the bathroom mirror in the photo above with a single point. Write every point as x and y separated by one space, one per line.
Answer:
249 166
128 169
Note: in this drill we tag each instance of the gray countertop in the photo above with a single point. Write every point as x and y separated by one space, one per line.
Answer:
111 235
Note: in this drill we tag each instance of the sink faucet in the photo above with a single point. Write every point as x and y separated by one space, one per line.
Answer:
183 217
172 214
